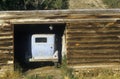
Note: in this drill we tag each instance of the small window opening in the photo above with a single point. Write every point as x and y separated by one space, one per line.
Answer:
40 40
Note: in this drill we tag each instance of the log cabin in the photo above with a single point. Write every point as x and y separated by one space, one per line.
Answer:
89 38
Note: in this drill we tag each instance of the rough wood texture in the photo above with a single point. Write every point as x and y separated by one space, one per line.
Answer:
93 35
93 44
60 16
6 48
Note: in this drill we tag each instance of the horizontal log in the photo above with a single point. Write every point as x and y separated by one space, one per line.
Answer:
77 43
6 58
7 29
91 34
94 27
74 16
91 20
69 11
57 16
6 54
6 43
6 33
96 24
93 47
92 31
6 48
91 62
97 37
52 16
96 54
79 30
73 56
6 37
92 39
3 31
95 51
3 64
99 33
40 21
37 21
6 51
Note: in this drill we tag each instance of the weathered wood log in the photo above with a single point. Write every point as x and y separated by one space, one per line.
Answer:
6 33
92 36
58 12
6 37
95 51
6 48
79 62
6 43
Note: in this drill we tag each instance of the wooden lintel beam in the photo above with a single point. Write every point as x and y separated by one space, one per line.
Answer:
42 21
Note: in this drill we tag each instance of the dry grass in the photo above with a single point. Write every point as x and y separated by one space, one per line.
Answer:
98 74
68 73
11 75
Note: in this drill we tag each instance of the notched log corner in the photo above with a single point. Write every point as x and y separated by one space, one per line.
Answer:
5 25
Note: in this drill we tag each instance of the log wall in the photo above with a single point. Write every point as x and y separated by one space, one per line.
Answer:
92 36
6 48
91 43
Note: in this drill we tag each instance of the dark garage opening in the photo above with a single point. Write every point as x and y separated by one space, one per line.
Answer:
22 41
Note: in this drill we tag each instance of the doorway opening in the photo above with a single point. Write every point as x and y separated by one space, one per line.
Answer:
22 42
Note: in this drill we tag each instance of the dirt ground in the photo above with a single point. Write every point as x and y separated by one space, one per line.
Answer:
43 72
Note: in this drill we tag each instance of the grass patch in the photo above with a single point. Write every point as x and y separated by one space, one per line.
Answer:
69 73
12 75
112 3
99 74
39 77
